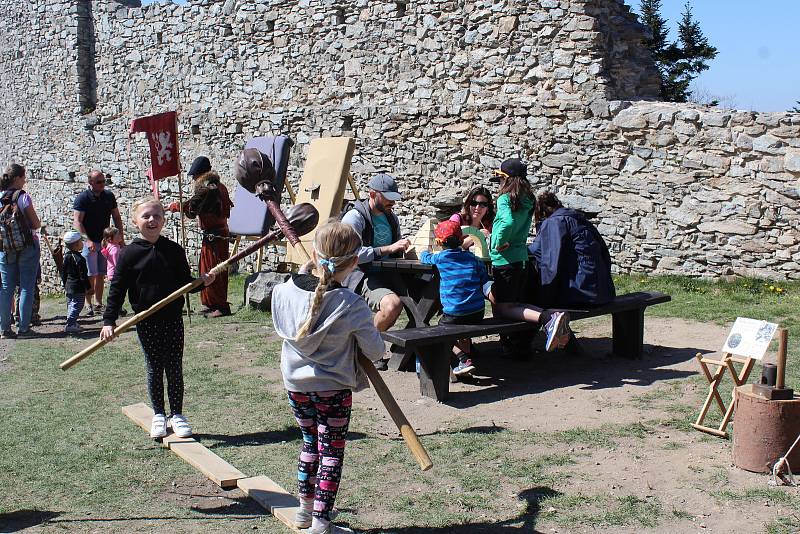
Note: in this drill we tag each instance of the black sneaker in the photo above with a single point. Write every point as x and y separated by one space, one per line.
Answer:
26 334
8 334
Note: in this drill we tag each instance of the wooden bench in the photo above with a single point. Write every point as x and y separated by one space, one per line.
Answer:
433 344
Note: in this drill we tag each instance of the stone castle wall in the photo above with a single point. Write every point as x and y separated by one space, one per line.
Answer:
437 92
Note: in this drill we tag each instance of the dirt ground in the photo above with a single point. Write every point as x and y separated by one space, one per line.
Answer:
557 392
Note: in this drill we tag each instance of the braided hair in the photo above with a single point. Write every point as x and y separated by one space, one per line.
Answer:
335 244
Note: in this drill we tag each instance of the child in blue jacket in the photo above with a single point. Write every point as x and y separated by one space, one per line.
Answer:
463 285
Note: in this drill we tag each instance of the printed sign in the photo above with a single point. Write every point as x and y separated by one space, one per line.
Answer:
749 338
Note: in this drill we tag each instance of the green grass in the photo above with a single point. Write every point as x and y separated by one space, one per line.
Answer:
68 451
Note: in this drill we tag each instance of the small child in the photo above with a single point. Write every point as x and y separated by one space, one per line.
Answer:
75 277
147 270
112 245
323 326
509 253
462 287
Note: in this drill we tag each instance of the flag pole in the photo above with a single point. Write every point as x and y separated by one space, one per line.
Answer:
180 199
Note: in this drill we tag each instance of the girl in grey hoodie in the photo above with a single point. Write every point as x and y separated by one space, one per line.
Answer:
323 325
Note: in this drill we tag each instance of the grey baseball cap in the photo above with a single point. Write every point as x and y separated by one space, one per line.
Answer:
385 185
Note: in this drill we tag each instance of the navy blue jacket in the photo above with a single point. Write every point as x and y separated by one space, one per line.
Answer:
573 261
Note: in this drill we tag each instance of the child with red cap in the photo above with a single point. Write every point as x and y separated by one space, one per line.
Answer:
463 285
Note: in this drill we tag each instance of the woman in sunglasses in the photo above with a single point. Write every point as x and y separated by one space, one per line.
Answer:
477 212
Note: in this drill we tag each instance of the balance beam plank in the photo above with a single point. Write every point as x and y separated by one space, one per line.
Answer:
272 498
141 414
215 468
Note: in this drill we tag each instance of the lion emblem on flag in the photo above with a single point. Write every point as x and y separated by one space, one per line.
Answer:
164 146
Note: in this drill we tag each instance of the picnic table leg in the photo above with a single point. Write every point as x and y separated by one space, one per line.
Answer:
628 333
434 373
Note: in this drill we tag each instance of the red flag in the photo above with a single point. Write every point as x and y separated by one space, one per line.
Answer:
162 134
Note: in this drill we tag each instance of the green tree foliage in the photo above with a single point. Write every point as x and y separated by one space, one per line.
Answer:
681 61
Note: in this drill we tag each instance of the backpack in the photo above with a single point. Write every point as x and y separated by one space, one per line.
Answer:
15 233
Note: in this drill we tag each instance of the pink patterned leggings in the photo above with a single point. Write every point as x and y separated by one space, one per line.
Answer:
323 417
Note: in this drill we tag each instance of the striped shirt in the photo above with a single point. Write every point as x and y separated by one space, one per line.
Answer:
463 280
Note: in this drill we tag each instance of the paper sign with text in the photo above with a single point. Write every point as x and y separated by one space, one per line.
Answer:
749 338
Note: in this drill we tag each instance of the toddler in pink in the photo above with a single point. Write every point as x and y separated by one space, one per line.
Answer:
112 245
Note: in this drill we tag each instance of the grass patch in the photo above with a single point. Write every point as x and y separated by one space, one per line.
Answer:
603 510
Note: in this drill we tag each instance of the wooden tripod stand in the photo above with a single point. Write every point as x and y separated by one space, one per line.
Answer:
714 381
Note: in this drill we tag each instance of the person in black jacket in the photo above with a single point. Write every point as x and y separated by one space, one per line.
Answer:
570 256
149 269
75 277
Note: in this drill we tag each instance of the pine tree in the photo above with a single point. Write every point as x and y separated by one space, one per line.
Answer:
679 62
796 109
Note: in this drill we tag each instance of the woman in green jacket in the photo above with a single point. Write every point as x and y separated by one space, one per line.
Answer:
509 254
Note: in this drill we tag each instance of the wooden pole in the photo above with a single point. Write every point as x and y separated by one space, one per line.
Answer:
783 339
410 437
183 219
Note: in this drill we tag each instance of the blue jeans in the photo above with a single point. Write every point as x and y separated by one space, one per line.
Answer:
18 268
74 306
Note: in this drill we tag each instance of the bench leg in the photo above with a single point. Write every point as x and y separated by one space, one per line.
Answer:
628 334
434 373
401 359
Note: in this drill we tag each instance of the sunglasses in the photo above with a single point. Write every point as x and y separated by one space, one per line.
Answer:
474 203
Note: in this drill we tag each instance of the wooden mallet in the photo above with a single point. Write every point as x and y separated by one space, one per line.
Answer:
302 219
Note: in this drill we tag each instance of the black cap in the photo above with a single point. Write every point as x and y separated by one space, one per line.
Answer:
510 167
200 165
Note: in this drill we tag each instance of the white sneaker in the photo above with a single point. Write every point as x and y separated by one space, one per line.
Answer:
180 426
556 328
158 428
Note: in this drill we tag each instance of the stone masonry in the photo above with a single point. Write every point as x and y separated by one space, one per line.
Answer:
436 92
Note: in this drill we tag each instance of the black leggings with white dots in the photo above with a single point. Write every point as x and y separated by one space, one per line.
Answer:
162 344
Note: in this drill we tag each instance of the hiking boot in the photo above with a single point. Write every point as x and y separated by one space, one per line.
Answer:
464 367
180 426
8 334
27 334
302 519
158 428
73 329
556 329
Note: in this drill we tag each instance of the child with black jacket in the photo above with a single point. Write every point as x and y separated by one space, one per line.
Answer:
75 277
149 269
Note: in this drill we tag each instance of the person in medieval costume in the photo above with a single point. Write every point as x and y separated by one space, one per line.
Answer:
211 204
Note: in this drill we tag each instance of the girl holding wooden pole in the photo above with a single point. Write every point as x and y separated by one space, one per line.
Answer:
147 270
323 325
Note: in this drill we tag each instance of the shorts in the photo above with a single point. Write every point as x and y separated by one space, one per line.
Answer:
376 285
95 261
472 318
510 282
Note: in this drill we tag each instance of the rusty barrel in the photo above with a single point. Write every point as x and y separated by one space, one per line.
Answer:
764 430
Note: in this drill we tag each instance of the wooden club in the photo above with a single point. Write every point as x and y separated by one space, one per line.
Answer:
412 440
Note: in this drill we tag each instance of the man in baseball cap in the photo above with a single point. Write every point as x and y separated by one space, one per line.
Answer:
379 229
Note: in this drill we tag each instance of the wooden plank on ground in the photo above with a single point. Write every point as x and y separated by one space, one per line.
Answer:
272 498
215 468
141 414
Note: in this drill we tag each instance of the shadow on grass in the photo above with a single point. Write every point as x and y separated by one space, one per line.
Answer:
525 522
22 519
504 378
255 439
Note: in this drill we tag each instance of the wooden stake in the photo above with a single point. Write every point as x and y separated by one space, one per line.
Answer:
410 437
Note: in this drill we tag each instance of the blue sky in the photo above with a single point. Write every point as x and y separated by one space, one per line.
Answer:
758 64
